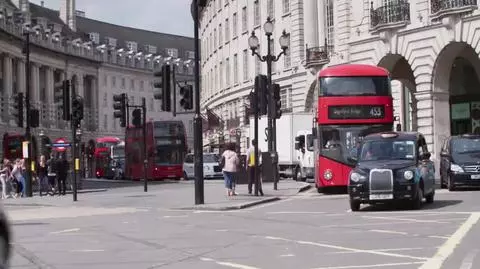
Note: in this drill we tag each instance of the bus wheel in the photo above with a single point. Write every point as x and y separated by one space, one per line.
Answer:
354 205
320 190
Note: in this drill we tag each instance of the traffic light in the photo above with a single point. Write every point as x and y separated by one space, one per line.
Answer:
276 106
261 83
187 97
137 117
162 91
62 96
77 110
120 107
34 118
18 108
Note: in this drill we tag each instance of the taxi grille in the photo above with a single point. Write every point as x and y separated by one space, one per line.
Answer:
472 168
217 168
381 180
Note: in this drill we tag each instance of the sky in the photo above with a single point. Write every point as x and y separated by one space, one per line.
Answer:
166 16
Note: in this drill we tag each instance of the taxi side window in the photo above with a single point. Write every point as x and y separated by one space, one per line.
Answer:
189 158
445 147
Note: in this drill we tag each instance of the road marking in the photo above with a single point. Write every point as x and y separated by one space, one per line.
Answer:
346 248
449 246
287 255
66 231
438 236
381 249
467 263
388 232
371 265
335 215
365 224
296 212
178 216
229 264
222 230
405 219
87 250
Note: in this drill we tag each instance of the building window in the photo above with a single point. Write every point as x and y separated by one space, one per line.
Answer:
286 98
227 72
105 122
190 54
114 120
245 65
329 23
287 61
220 35
114 81
132 84
105 99
286 6
152 105
235 25
271 9
227 31
95 37
256 10
105 81
221 75
244 19
122 85
142 85
172 52
235 68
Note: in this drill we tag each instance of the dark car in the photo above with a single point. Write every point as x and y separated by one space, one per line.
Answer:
392 166
460 161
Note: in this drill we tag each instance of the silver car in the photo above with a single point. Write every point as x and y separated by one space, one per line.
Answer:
211 167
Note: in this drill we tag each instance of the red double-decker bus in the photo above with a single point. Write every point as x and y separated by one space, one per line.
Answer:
353 100
101 155
166 148
12 146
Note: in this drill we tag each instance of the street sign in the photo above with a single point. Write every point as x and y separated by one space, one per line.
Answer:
60 145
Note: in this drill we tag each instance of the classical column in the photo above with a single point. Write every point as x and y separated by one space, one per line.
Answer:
35 85
311 23
7 85
49 95
441 124
321 18
21 75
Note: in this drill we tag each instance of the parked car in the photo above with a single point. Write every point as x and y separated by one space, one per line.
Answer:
460 161
392 166
211 167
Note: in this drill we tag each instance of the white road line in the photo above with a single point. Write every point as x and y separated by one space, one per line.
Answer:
335 215
371 265
229 264
449 246
467 263
87 250
66 231
287 255
388 232
296 212
178 216
405 219
365 224
347 248
382 250
420 212
438 236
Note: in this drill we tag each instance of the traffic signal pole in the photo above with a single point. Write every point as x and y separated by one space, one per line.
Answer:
28 135
198 143
145 157
75 158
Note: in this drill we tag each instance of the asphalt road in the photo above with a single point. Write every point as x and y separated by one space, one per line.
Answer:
302 232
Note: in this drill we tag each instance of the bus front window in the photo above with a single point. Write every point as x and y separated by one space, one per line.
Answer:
355 86
340 143
169 151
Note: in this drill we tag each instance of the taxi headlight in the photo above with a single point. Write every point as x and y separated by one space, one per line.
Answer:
356 177
328 174
456 168
408 175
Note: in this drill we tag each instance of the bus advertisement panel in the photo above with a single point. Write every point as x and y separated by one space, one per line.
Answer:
166 149
353 101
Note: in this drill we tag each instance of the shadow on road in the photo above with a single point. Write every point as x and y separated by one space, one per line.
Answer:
406 207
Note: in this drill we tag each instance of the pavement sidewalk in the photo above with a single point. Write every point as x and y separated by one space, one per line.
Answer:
176 196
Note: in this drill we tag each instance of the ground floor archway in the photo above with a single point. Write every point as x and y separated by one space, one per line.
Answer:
312 97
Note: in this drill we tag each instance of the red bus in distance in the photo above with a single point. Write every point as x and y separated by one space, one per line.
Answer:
166 149
12 146
101 155
354 100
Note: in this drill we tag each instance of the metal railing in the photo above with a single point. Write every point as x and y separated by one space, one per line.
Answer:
390 13
317 55
444 5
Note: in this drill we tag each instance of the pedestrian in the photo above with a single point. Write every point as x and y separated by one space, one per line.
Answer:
42 174
251 167
4 176
17 176
51 174
62 173
229 163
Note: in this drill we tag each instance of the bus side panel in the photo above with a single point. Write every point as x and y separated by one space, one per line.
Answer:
339 171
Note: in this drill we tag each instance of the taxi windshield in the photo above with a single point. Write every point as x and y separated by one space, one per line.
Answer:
387 149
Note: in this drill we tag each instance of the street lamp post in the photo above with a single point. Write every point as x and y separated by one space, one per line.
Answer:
254 43
28 135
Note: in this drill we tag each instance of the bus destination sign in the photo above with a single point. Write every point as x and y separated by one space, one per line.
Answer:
356 112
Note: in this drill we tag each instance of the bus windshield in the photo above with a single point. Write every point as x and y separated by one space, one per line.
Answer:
355 86
169 150
118 152
106 144
340 143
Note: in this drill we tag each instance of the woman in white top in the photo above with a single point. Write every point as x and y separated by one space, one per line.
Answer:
229 163
17 174
4 175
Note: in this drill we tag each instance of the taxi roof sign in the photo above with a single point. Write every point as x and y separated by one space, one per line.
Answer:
389 135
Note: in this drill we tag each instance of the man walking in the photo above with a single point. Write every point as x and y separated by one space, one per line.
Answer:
251 167
62 173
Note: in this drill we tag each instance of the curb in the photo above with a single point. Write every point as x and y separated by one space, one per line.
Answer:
87 191
232 207
305 188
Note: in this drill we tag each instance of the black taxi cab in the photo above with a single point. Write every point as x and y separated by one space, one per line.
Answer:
392 166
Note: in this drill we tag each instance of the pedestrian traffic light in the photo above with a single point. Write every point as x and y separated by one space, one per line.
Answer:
77 110
18 108
187 97
137 117
34 116
62 97
162 87
120 107
261 83
276 106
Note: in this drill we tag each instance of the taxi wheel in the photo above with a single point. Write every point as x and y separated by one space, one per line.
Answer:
450 185
417 203
354 205
430 197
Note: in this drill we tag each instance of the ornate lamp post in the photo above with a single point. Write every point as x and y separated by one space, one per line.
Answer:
254 43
